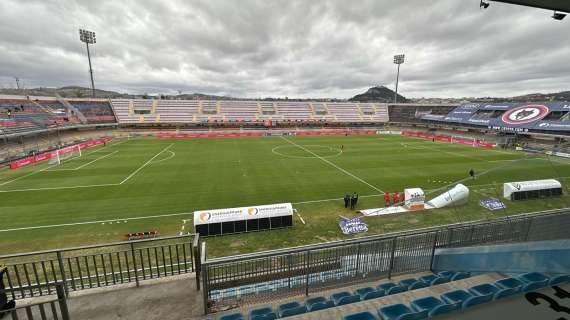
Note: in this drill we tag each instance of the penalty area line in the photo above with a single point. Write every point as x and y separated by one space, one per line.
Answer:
94 222
146 163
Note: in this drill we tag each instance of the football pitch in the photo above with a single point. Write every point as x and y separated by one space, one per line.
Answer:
155 184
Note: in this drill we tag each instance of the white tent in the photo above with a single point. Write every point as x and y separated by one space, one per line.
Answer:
457 195
525 186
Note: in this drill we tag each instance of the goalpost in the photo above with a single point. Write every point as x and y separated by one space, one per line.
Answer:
65 154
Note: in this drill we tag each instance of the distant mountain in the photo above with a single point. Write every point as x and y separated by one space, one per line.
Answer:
66 92
378 94
542 97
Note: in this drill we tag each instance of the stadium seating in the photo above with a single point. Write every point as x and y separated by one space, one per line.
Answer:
533 281
432 306
95 111
400 311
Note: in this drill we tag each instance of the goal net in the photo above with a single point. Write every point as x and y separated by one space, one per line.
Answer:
65 154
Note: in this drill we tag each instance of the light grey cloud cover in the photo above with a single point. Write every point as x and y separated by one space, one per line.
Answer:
295 48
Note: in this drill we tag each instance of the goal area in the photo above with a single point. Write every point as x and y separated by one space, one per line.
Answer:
64 154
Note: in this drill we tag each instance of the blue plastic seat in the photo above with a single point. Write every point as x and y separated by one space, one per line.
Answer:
269 316
460 276
440 280
456 297
339 295
359 316
260 311
446 274
485 290
347 300
286 306
293 311
432 306
406 283
391 288
318 303
399 312
507 287
309 302
369 293
533 281
464 299
428 278
418 285
233 316
559 279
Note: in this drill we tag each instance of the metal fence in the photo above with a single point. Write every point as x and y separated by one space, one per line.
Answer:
53 309
265 276
34 274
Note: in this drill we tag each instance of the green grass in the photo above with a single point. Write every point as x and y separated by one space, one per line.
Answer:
192 174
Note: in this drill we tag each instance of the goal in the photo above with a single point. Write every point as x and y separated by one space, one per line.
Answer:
65 154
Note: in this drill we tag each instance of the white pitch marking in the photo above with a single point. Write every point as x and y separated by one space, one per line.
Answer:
94 222
62 188
88 163
27 175
332 164
146 163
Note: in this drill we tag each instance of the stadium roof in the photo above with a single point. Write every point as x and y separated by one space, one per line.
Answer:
557 5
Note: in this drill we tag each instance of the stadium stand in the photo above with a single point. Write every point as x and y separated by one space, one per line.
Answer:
20 116
95 111
230 111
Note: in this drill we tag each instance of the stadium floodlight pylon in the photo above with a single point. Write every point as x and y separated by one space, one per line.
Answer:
65 154
89 37
399 60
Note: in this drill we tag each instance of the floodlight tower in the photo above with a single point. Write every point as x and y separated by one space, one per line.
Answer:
88 37
398 59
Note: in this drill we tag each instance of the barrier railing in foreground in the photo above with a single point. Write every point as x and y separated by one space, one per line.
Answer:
55 308
34 274
269 275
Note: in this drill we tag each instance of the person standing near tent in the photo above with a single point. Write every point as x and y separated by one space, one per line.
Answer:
355 199
396 197
387 198
472 174
346 200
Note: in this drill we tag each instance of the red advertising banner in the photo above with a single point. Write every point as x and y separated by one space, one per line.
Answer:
48 155
321 133
475 142
207 135
256 134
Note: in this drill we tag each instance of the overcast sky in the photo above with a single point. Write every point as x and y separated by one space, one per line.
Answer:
294 48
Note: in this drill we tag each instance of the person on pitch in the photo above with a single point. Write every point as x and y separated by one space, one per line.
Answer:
472 174
396 197
346 200
352 201
387 198
355 199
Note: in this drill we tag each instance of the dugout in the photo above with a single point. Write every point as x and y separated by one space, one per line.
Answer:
532 189
244 219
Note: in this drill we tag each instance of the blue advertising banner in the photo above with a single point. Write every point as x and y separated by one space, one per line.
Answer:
516 117
352 226
492 204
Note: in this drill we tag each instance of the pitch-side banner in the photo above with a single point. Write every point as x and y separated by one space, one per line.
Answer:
243 213
509 116
48 155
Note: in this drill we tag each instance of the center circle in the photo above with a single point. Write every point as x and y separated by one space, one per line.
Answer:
299 152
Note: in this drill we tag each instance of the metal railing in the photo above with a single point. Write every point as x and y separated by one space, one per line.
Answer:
34 274
51 309
265 276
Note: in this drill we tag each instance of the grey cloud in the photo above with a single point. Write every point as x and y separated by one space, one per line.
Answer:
256 48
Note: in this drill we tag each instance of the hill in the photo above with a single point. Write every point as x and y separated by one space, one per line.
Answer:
378 94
